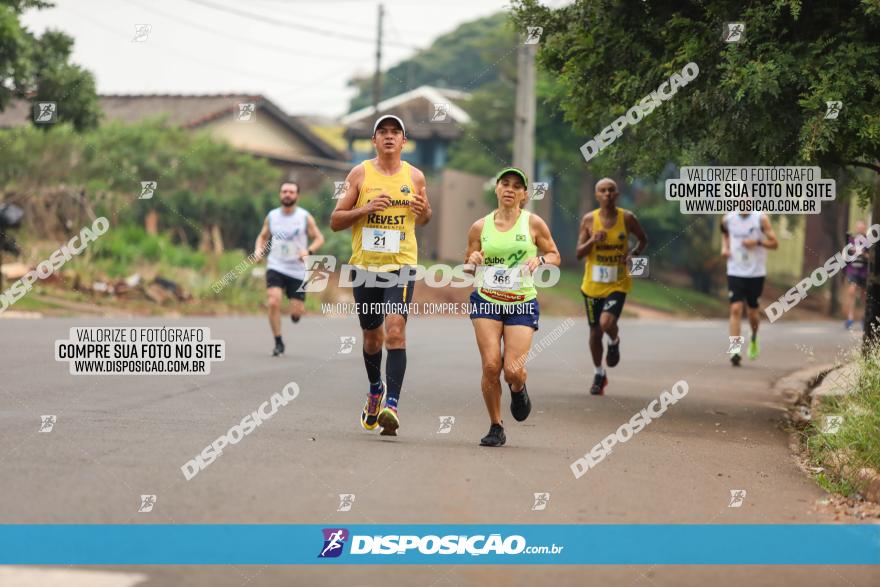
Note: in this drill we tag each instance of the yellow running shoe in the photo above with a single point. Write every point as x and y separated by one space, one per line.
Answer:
389 422
370 413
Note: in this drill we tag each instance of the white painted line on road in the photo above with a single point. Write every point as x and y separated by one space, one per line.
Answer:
21 315
810 330
50 577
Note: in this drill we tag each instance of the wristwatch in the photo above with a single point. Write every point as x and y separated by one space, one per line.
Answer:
542 260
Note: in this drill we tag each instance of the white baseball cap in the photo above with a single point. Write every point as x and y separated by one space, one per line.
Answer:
386 117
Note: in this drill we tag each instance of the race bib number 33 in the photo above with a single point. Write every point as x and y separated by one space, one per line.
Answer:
379 240
604 273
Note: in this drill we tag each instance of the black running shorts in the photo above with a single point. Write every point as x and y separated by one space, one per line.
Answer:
613 304
290 285
374 300
745 288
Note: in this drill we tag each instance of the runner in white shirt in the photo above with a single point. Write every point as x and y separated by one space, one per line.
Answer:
289 227
745 239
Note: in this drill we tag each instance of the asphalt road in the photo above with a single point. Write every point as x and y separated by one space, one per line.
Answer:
117 437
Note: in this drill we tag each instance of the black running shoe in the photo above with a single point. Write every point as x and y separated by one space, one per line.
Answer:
600 382
294 319
735 359
613 357
520 404
495 437
279 349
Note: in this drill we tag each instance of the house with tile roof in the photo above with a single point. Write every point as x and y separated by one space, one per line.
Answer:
250 122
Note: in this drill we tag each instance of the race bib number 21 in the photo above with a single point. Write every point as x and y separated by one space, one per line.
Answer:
379 240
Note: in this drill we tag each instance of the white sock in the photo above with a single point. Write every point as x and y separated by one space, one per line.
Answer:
615 341
600 371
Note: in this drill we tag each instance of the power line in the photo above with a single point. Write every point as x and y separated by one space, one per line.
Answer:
298 25
334 21
214 64
256 43
347 23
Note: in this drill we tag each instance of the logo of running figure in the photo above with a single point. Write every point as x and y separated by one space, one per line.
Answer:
247 112
736 343
147 503
45 112
638 267
737 496
832 109
346 344
334 541
47 423
441 113
533 34
446 423
346 500
541 501
141 33
339 189
148 188
733 32
318 270
831 424
539 190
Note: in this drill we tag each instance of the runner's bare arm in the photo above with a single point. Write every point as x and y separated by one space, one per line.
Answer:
345 214
768 241
474 254
420 204
314 234
545 243
585 237
634 226
262 240
725 240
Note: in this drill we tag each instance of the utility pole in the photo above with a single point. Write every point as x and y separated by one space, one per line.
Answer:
524 121
377 77
872 301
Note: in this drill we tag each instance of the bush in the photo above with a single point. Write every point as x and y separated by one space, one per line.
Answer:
120 251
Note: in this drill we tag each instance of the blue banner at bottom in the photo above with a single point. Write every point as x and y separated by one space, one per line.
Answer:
482 544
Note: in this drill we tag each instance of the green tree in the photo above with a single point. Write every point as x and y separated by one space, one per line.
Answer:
458 59
761 101
38 68
201 183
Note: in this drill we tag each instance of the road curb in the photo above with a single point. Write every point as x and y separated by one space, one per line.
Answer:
805 391
795 387
836 383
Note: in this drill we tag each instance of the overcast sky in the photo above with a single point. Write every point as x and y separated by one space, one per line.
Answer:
299 53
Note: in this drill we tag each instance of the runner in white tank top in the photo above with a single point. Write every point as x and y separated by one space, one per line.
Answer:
745 261
745 240
285 237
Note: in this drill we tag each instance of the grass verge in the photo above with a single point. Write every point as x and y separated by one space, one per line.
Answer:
844 435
